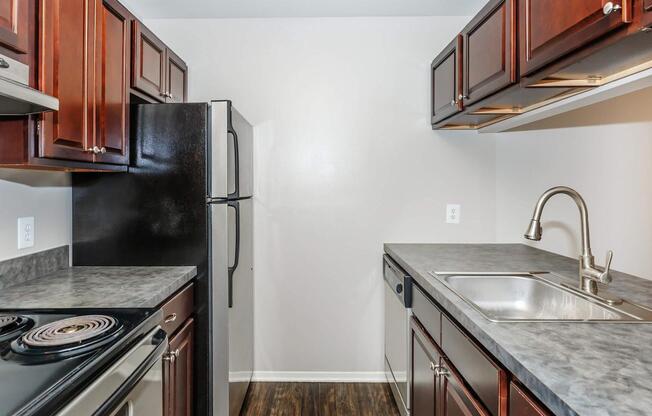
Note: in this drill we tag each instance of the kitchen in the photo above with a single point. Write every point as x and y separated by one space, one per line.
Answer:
350 155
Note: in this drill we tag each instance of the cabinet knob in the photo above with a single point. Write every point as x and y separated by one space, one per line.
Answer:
96 150
442 371
609 7
171 356
103 150
462 97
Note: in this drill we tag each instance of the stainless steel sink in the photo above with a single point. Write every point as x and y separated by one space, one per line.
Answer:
533 297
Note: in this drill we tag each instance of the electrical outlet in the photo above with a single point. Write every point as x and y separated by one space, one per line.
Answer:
453 213
26 232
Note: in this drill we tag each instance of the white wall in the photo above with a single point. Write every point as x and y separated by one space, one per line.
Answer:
604 152
345 160
46 196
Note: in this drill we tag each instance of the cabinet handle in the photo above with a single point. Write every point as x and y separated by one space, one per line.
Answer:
609 7
170 318
4 64
171 356
103 150
433 366
95 150
442 371
453 103
462 97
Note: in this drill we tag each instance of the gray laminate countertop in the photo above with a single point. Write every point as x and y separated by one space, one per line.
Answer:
97 287
587 369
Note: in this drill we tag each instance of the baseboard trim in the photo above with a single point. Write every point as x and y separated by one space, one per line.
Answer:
320 376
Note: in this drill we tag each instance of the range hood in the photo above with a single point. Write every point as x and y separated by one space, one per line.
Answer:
16 97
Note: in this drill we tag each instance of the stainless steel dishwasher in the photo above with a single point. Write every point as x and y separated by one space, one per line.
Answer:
398 304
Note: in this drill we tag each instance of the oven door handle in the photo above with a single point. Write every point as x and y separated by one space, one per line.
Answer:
118 396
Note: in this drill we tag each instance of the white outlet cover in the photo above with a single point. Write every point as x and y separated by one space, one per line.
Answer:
26 232
453 213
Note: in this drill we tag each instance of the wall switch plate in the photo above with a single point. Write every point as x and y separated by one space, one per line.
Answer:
453 213
25 232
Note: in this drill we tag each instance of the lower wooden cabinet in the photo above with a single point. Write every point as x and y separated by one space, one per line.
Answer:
452 375
425 360
455 398
437 388
522 404
178 372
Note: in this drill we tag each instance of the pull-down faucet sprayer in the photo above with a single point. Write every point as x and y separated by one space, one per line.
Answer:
589 273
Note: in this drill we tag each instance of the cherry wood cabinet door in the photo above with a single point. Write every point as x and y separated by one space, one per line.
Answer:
445 82
425 360
455 399
65 71
489 51
550 29
113 28
176 78
149 62
14 25
178 386
522 404
648 5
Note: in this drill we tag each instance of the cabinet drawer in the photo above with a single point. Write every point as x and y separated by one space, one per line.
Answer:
522 404
177 309
485 377
427 313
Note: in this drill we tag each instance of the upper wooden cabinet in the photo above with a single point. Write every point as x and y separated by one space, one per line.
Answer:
113 51
66 71
550 29
445 81
177 79
14 25
157 71
148 69
85 50
92 55
489 51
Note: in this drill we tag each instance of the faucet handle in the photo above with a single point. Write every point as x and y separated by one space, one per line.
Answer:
605 277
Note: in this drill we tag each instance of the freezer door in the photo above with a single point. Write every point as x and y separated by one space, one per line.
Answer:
231 153
241 302
219 265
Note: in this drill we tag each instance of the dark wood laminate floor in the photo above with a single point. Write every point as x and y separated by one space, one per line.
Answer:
319 399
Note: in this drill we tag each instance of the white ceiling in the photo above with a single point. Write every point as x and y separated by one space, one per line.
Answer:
149 9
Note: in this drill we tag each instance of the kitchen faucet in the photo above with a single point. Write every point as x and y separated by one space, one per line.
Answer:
590 274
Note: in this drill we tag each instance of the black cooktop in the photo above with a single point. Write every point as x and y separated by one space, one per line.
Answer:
48 356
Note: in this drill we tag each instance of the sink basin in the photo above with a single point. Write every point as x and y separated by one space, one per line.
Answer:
517 297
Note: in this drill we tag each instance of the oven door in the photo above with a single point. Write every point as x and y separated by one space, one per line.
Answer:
133 386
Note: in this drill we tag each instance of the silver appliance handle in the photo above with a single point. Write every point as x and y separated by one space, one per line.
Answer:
108 391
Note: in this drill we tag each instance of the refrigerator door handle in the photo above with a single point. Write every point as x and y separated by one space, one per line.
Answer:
236 206
236 163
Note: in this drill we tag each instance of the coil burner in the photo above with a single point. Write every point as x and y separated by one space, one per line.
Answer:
13 325
70 336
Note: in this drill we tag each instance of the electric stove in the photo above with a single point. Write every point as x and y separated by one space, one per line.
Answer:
48 357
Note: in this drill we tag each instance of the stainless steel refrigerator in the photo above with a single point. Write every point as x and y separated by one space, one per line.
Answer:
187 199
